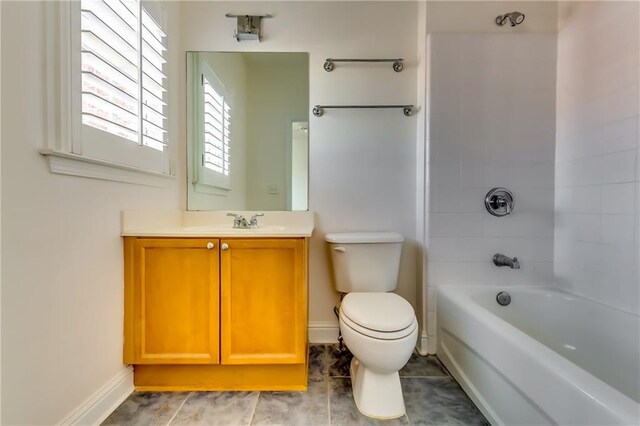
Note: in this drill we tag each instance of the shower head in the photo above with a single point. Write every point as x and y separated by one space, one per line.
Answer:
515 18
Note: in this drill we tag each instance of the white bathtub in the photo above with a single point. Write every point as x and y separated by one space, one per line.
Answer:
549 357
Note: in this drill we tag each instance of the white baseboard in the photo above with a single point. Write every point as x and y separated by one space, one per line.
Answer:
101 404
422 345
323 332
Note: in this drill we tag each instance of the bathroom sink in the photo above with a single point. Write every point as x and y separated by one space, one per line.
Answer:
273 228
206 228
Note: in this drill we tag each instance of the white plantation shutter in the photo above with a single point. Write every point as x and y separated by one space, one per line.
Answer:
215 132
217 116
123 50
153 80
109 68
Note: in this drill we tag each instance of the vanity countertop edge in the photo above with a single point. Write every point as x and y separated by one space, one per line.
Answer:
176 223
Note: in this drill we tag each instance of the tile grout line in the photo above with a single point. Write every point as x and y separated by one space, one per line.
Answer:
179 408
425 377
328 381
406 412
255 407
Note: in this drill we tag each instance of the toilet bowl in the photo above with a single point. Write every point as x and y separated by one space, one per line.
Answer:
380 330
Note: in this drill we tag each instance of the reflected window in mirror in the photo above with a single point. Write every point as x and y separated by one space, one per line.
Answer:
215 134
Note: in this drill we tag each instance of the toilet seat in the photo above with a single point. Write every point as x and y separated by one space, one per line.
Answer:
385 316
380 335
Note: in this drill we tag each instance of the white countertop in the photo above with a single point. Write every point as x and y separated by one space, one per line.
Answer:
176 223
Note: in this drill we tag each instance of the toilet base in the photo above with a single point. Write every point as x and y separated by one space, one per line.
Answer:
376 395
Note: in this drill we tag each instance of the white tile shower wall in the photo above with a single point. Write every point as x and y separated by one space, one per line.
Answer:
597 153
492 123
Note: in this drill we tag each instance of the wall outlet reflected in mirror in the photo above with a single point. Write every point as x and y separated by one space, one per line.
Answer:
273 189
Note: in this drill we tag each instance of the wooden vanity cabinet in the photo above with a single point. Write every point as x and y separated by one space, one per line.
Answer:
216 313
263 302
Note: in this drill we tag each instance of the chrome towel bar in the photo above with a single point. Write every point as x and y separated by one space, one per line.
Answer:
398 63
318 110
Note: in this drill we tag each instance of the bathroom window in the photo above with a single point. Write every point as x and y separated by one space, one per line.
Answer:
215 131
117 85
123 82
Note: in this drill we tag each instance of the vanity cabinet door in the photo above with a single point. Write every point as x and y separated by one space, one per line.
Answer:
172 301
263 301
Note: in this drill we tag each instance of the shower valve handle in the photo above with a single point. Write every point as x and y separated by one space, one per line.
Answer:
499 202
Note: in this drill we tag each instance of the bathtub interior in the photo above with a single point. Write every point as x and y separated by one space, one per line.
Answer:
597 338
515 378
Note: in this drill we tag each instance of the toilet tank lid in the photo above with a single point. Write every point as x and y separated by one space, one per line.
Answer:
364 237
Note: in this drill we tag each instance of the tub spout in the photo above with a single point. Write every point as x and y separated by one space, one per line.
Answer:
500 259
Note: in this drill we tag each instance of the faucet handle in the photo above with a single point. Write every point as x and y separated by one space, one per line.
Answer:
253 222
238 220
503 203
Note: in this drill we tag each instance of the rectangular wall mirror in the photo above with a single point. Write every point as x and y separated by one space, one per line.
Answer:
247 130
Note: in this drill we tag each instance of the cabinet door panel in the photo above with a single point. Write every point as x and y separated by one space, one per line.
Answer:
178 299
263 304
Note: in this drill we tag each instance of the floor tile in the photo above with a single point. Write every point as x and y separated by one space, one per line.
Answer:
217 408
338 361
317 360
294 408
423 366
147 408
439 401
431 396
343 408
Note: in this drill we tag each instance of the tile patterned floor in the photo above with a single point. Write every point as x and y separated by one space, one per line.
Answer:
431 397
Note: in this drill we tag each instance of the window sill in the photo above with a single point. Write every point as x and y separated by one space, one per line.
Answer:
76 165
205 188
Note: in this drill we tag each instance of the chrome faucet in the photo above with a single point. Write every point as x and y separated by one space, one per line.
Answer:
239 221
500 259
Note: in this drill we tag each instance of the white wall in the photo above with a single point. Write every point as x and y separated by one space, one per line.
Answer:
362 162
597 153
62 275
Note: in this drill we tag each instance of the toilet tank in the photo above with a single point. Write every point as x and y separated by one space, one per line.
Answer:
365 261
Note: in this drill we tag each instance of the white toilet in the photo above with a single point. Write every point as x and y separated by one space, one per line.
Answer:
379 328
